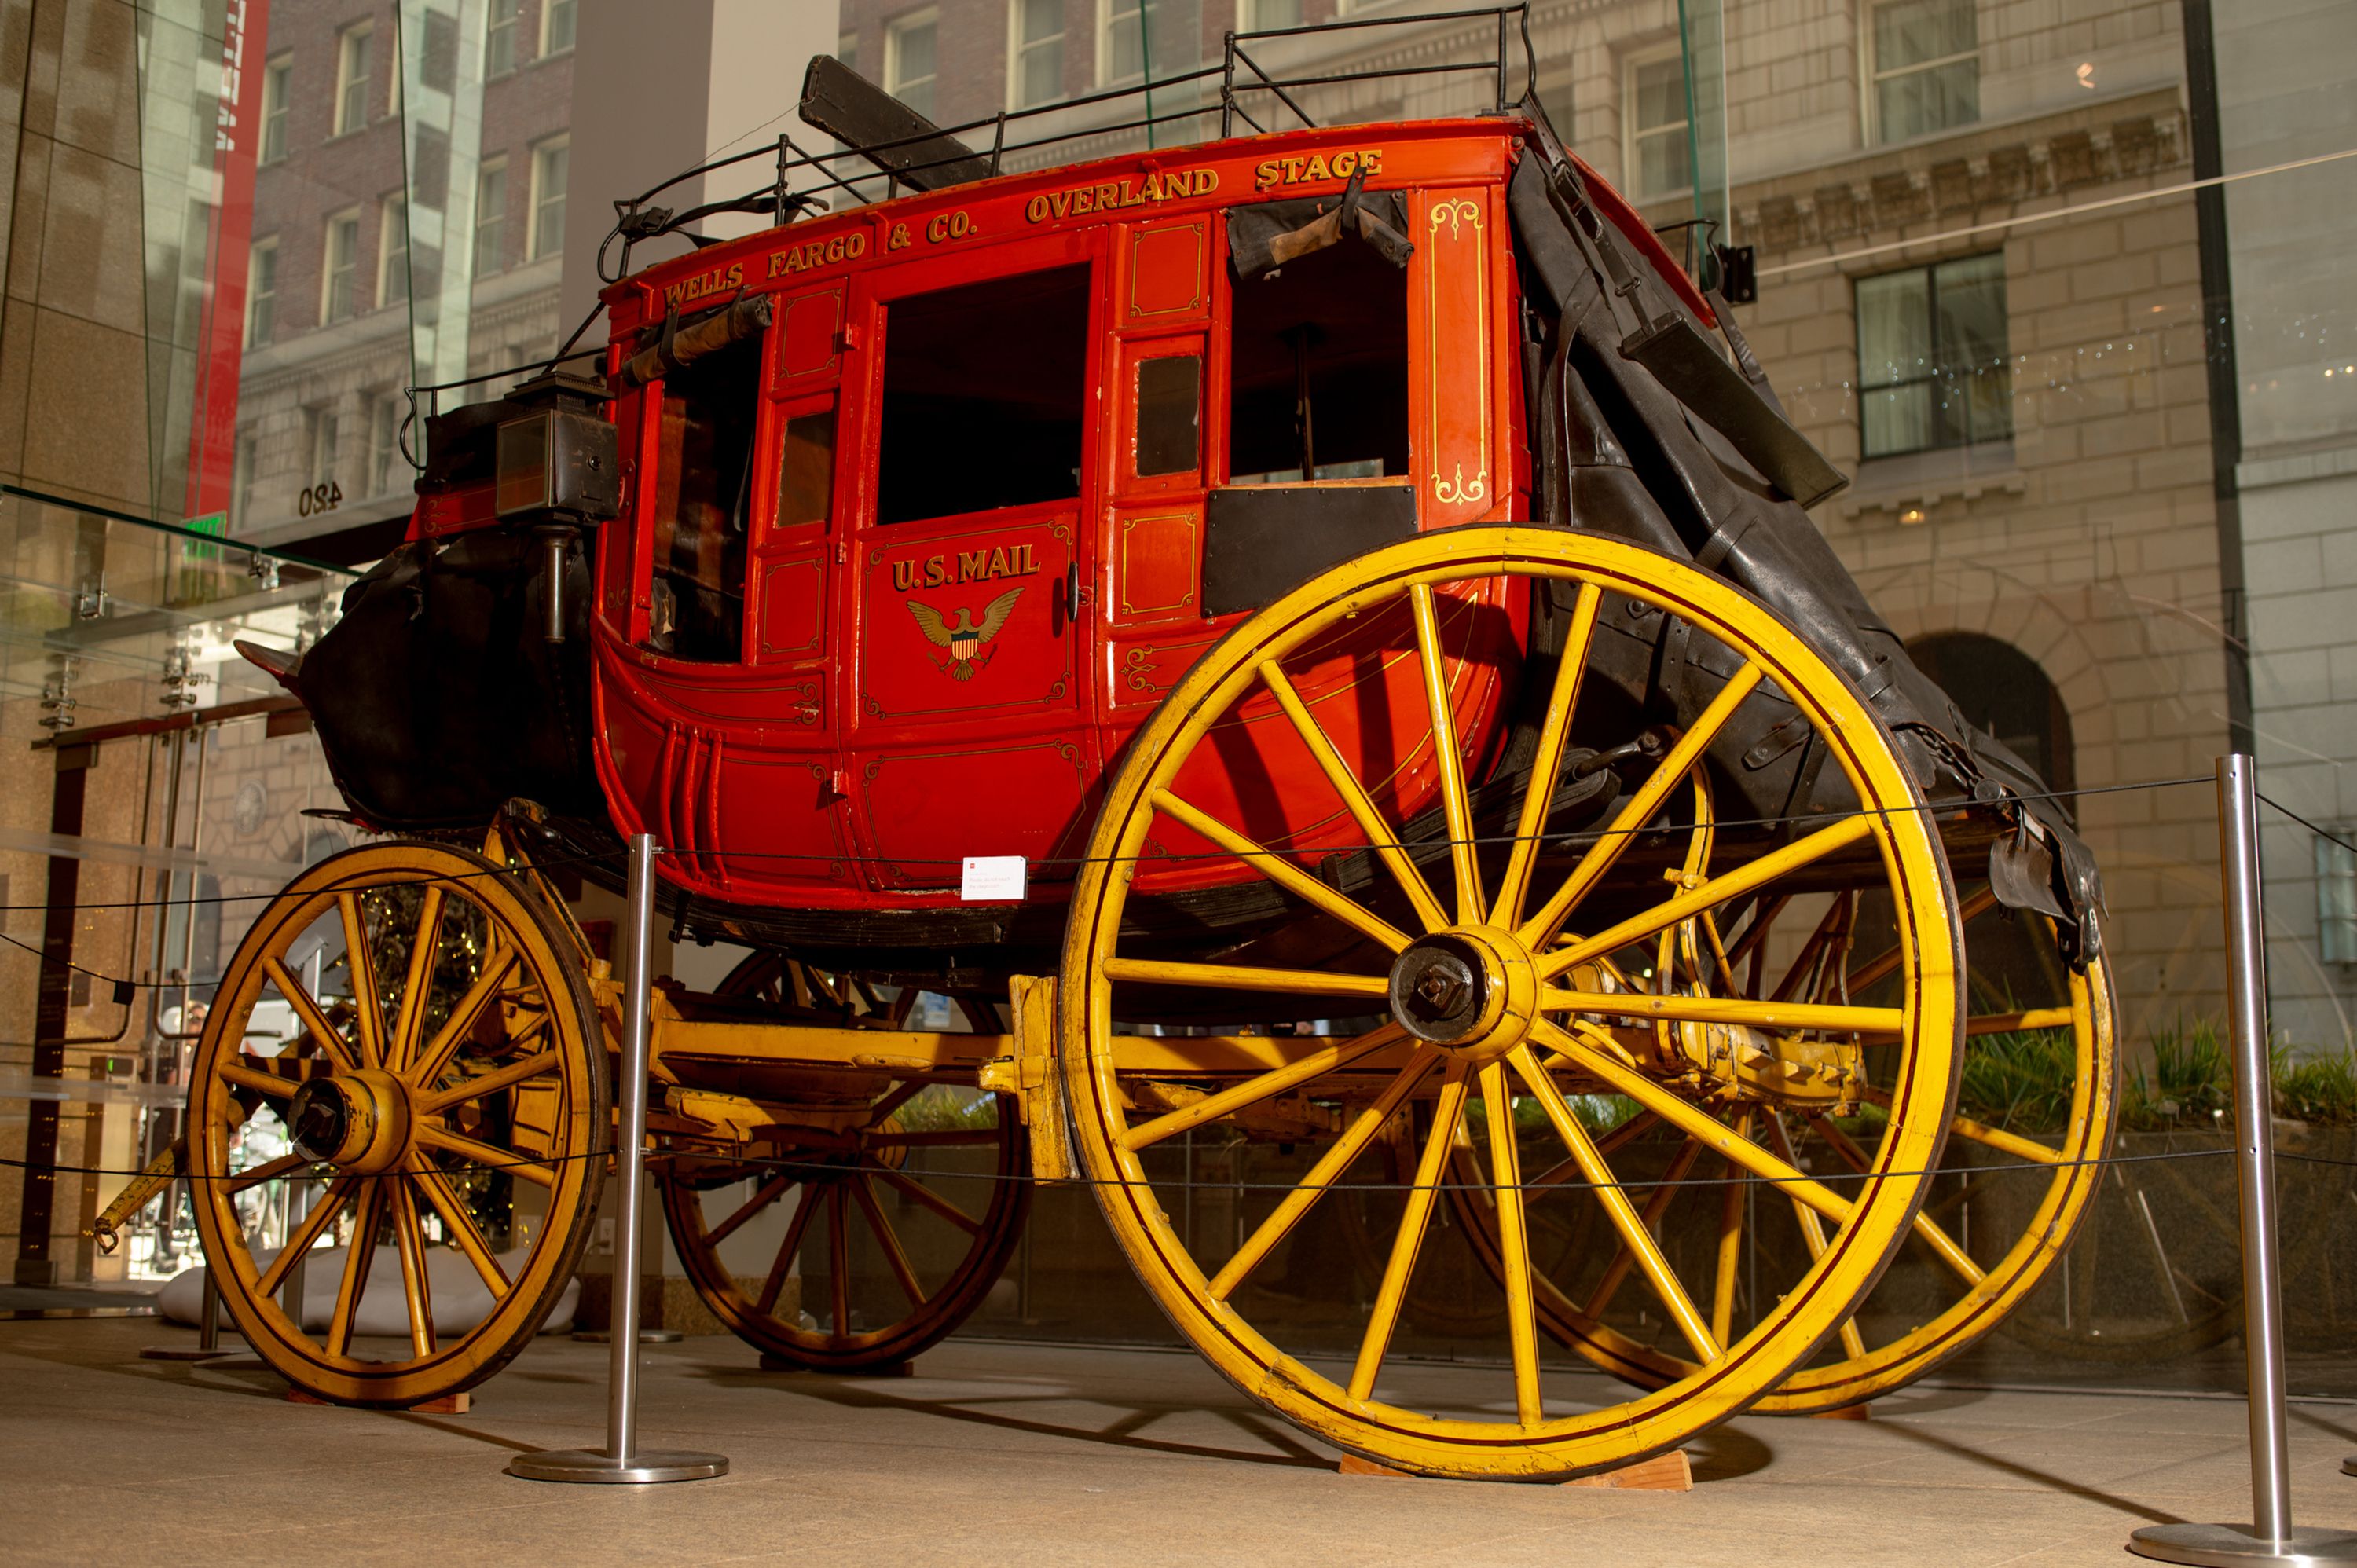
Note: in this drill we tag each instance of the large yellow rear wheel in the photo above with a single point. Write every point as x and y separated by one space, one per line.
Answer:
1481 942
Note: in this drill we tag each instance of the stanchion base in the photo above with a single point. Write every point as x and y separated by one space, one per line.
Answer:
646 1336
594 1465
2234 1545
184 1353
2349 1466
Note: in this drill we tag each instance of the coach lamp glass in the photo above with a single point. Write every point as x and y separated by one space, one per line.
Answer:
559 471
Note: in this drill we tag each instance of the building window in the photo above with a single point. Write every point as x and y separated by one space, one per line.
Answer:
392 251
276 76
352 78
339 278
322 442
240 480
260 292
1554 93
1932 356
908 60
1258 15
1660 157
1122 40
490 216
384 441
1036 47
846 49
1927 67
556 22
499 37
2001 690
548 161
2336 901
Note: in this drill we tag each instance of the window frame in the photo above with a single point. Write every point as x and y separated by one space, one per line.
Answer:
1250 20
1105 20
496 166
1015 49
330 270
1633 134
392 246
899 27
260 304
277 76
1938 372
548 9
383 442
500 29
538 245
351 90
1871 76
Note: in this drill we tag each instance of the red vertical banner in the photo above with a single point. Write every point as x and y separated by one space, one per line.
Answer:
237 141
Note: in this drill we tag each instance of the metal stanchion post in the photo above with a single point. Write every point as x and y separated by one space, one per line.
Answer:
2271 1537
622 1459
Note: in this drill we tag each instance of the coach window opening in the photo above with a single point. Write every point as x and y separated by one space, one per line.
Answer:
702 505
1318 376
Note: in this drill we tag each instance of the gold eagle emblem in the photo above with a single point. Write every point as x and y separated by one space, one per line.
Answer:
964 641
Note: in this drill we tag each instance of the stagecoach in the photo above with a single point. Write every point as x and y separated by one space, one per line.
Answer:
1350 588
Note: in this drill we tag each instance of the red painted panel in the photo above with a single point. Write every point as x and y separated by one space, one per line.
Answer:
807 345
1452 338
1157 561
1166 271
926 811
792 607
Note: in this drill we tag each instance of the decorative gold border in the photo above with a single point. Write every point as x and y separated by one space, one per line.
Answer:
769 571
1453 210
1194 300
1127 523
835 360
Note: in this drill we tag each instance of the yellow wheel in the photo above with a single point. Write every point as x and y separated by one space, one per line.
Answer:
1485 946
871 1224
446 1079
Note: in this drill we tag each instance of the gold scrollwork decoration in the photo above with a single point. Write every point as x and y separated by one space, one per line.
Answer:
1461 489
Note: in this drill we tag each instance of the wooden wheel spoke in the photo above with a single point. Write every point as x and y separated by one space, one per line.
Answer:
1683 906
1266 1086
1690 1119
768 1193
260 1082
2021 1023
838 1245
1540 929
307 1235
951 1139
435 1135
787 1249
462 1226
1546 764
1224 977
368 1007
409 1022
1457 804
1980 1133
1959 1261
1392 1294
1810 960
1322 1175
1730 1245
417 1291
343 1318
461 1022
882 1109
315 1019
1874 969
1514 1241
889 1240
1721 1010
1282 871
1812 1231
1657 1202
488 1083
1378 833
269 1170
899 1181
1634 1236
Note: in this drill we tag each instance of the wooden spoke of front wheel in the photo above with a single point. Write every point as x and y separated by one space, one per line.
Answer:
1281 871
1565 1168
1322 1176
1457 805
359 961
1546 764
1959 1261
889 1240
1812 1232
1979 1133
315 1224
1392 1294
1751 944
268 1083
918 1191
1381 836
805 1207
1640 1242
1867 973
437 1136
331 1040
492 1083
1719 890
1657 1202
930 1140
461 1226
767 1194
269 1170
1690 1119
1222 977
1811 959
417 1292
882 1109
1540 929
838 1249
409 1022
1514 1241
1730 1245
1723 1010
1267 1086
344 1318
461 1022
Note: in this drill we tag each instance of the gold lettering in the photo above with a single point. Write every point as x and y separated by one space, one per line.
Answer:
1293 170
1129 200
904 574
1152 189
1062 203
777 261
1030 565
1265 174
1108 197
997 564
1207 180
971 564
936 570
1035 209
1344 164
899 240
858 245
1085 199
1371 160
1317 169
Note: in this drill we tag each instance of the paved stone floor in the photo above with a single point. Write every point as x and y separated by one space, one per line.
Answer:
1042 1455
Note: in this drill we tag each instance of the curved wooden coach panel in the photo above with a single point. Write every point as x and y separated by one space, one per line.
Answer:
848 759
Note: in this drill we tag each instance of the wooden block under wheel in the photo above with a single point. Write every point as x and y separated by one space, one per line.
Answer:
448 1404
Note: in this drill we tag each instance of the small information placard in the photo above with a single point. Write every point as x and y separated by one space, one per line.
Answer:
993 879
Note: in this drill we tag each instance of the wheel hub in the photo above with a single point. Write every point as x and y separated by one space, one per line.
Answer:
1471 991
355 1121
